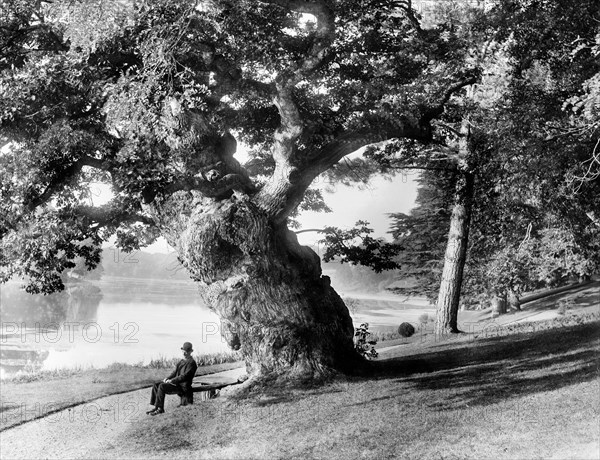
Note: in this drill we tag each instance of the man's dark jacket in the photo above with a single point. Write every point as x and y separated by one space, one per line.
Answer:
182 376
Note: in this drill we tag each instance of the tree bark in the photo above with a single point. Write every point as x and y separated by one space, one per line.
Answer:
274 304
499 303
455 257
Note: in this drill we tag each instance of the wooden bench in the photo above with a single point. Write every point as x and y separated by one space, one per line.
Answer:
207 390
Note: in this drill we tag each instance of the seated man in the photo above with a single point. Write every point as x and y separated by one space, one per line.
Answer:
179 382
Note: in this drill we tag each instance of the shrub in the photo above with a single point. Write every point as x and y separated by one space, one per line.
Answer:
207 359
218 358
424 318
363 344
163 362
383 336
406 329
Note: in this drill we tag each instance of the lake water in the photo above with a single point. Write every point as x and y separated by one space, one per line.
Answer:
133 321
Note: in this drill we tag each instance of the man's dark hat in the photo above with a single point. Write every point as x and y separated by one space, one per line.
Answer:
187 346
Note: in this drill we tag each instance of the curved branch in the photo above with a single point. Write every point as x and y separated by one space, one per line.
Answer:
438 109
406 6
317 230
65 177
279 197
325 157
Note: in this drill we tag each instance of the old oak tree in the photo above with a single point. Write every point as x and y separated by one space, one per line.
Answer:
150 98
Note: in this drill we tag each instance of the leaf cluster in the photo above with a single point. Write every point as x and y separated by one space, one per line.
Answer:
356 246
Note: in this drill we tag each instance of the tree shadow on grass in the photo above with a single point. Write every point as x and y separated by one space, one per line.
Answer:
491 370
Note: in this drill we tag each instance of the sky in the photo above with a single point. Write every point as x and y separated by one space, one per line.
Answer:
350 204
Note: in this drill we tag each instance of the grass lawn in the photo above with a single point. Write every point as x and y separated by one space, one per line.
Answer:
24 401
516 390
534 395
539 314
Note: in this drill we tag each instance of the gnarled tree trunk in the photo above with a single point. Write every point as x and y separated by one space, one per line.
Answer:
275 305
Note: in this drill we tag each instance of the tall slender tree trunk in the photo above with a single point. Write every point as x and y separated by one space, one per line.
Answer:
455 257
458 239
274 304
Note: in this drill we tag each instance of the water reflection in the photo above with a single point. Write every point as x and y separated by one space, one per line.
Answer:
133 320
26 318
79 301
102 322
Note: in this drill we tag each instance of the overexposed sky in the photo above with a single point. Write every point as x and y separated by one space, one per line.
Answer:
350 204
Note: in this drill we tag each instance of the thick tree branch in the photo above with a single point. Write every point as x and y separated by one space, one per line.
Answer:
325 157
64 178
290 128
436 110
291 122
287 186
292 125
307 230
109 215
406 6
284 192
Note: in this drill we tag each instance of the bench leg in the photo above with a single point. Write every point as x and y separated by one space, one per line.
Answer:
185 400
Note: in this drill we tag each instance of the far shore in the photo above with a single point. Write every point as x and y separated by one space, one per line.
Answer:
416 301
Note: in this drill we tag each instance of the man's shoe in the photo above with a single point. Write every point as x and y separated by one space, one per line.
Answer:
150 411
157 411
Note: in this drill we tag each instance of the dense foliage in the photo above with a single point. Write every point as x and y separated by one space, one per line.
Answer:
140 95
363 343
533 124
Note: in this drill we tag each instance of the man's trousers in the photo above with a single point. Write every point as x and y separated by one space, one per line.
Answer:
160 389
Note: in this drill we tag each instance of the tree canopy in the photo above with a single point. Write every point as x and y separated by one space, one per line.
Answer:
148 96
533 130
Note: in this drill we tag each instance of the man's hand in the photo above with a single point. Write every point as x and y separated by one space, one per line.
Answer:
167 381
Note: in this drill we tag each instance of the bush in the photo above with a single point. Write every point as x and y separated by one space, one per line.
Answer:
218 358
406 329
363 343
383 336
424 318
163 362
